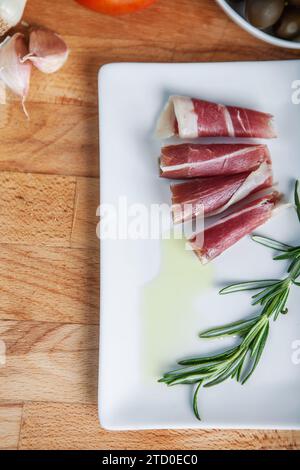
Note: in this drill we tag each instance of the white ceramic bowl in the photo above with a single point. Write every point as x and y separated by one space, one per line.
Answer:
238 19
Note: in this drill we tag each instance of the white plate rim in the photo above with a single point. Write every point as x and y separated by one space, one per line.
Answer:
197 425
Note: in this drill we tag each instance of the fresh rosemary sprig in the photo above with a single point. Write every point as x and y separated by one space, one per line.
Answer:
241 361
297 198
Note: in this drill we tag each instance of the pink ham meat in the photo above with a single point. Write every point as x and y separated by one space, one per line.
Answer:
189 118
214 195
193 160
230 229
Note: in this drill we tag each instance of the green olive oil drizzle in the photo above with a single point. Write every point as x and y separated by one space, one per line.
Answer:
240 362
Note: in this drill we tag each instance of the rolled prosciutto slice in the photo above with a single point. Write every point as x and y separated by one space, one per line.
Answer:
189 118
211 196
230 229
193 160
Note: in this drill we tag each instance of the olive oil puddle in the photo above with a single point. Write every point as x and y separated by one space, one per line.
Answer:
169 306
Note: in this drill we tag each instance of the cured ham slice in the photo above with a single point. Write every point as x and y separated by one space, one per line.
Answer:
230 229
211 196
193 160
189 118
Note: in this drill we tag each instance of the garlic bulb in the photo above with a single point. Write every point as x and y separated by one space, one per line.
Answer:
11 12
2 93
14 73
47 50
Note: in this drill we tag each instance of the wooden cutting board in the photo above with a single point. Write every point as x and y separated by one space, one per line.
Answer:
49 269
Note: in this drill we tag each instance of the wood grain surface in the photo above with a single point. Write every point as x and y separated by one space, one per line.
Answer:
49 192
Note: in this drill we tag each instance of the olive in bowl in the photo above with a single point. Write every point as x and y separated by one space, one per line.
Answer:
276 22
289 24
264 13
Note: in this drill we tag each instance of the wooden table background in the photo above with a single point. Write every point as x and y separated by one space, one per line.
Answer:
49 270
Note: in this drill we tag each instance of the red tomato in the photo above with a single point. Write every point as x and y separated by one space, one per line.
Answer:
116 7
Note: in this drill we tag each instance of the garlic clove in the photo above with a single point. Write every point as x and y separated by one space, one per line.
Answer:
2 93
11 12
47 50
13 73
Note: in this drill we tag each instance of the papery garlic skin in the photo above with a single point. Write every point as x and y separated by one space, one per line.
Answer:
2 93
11 12
13 72
47 50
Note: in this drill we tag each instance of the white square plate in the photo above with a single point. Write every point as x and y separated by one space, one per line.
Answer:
155 296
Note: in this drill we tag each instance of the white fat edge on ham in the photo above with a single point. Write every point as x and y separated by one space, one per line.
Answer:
225 157
272 127
187 119
228 121
184 212
241 121
166 122
241 211
180 109
254 180
278 207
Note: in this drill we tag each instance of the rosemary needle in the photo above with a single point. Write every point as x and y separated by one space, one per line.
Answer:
241 361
